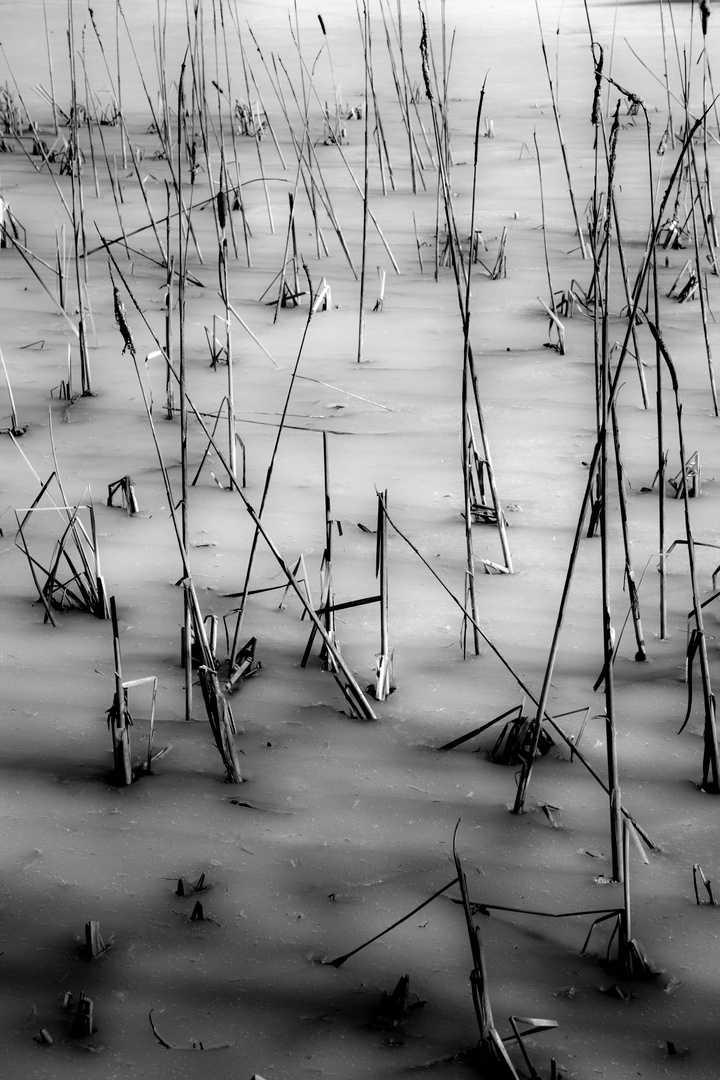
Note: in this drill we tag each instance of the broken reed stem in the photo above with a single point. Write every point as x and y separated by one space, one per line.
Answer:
492 1053
340 960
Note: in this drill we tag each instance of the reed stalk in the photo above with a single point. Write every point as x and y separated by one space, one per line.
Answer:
711 757
182 265
366 179
50 69
78 214
266 486
558 128
119 717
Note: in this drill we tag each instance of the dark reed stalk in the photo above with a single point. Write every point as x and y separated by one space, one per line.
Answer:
266 486
606 401
119 717
633 594
711 758
467 445
233 135
327 598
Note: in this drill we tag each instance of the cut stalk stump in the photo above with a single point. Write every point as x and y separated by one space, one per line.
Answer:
94 944
707 885
397 1007
82 1025
126 487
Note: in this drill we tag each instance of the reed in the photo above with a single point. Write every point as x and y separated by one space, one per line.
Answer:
558 127
711 756
366 178
119 718
78 211
266 486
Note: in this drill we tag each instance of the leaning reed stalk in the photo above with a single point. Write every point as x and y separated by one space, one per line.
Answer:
124 141
268 477
544 230
606 382
558 127
115 191
467 449
666 78
88 121
50 68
